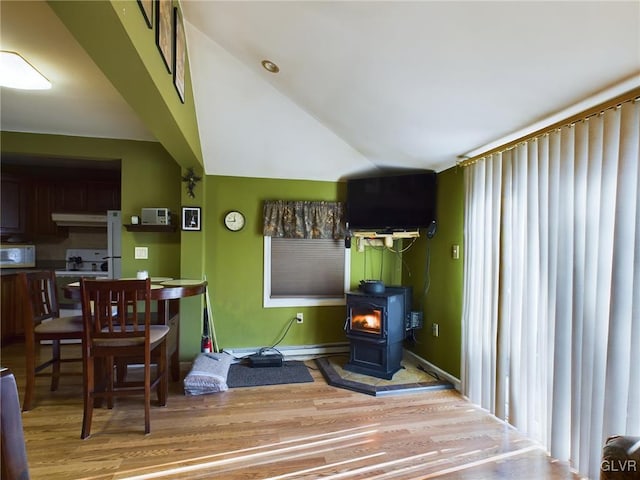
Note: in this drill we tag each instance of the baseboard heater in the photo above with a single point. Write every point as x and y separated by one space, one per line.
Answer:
265 360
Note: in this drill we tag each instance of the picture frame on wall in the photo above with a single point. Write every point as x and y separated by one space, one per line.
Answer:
191 218
164 31
179 53
146 6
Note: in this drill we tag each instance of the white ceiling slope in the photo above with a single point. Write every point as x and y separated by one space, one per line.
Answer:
363 84
406 84
248 128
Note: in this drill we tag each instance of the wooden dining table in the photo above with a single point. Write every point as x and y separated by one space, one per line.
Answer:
167 292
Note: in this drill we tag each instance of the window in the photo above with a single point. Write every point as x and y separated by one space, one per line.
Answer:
305 272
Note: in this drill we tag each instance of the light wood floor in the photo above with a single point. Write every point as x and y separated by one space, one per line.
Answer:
300 431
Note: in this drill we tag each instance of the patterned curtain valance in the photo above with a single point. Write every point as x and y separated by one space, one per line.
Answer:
298 219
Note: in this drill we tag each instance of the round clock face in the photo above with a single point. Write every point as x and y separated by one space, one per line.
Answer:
234 221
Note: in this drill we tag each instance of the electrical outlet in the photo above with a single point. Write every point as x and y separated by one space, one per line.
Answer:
300 317
435 329
141 253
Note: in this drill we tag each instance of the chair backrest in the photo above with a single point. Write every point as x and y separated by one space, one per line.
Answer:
40 296
116 312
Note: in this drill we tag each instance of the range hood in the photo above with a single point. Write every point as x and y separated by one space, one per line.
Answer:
80 219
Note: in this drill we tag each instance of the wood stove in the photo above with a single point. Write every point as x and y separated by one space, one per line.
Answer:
375 327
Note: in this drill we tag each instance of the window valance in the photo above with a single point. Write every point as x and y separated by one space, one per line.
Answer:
302 219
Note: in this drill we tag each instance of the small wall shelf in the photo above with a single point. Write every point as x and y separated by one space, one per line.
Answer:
394 235
387 239
151 228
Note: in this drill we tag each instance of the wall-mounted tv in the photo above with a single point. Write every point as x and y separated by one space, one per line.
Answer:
388 203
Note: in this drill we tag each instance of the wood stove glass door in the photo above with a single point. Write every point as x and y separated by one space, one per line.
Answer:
366 319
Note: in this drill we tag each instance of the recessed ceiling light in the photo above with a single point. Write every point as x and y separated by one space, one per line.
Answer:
16 72
269 66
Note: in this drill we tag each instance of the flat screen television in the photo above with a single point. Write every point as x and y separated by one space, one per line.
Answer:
391 203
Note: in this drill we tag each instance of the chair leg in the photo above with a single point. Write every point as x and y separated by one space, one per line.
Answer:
121 371
27 404
109 371
175 366
30 365
147 393
101 384
55 356
88 388
163 374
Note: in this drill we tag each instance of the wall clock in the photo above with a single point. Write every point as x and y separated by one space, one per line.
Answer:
234 221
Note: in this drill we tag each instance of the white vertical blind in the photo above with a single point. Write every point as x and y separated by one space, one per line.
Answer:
551 314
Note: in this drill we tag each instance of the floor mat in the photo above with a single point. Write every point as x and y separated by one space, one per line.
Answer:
292 371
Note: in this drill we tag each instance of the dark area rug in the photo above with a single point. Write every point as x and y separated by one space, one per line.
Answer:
410 379
292 371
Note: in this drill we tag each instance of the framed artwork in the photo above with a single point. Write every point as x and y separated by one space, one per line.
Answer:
179 53
147 11
191 218
164 31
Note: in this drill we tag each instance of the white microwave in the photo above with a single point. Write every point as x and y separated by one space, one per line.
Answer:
14 255
156 216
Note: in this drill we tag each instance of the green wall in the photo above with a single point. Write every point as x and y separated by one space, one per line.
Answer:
443 302
233 264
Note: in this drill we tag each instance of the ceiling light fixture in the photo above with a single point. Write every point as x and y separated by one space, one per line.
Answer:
269 66
16 72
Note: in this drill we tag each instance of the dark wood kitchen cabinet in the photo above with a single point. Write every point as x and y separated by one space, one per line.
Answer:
12 325
70 196
13 205
103 196
42 197
30 196
86 196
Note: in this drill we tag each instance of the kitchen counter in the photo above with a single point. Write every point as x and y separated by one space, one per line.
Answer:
14 271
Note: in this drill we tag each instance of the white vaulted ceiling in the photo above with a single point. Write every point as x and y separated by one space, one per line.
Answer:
366 85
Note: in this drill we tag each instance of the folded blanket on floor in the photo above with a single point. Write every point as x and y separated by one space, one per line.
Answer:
208 374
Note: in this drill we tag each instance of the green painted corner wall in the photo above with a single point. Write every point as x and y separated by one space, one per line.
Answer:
150 178
443 301
115 35
192 266
233 265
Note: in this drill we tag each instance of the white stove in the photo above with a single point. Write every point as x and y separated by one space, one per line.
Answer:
85 262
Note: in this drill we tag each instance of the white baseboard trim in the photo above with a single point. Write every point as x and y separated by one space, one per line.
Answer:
430 367
295 351
302 352
310 351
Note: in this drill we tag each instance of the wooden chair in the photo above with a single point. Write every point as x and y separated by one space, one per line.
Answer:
119 326
42 321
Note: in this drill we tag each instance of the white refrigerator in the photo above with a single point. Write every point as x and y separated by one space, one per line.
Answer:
114 243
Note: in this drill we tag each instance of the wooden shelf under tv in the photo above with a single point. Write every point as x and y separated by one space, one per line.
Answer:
151 228
393 235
